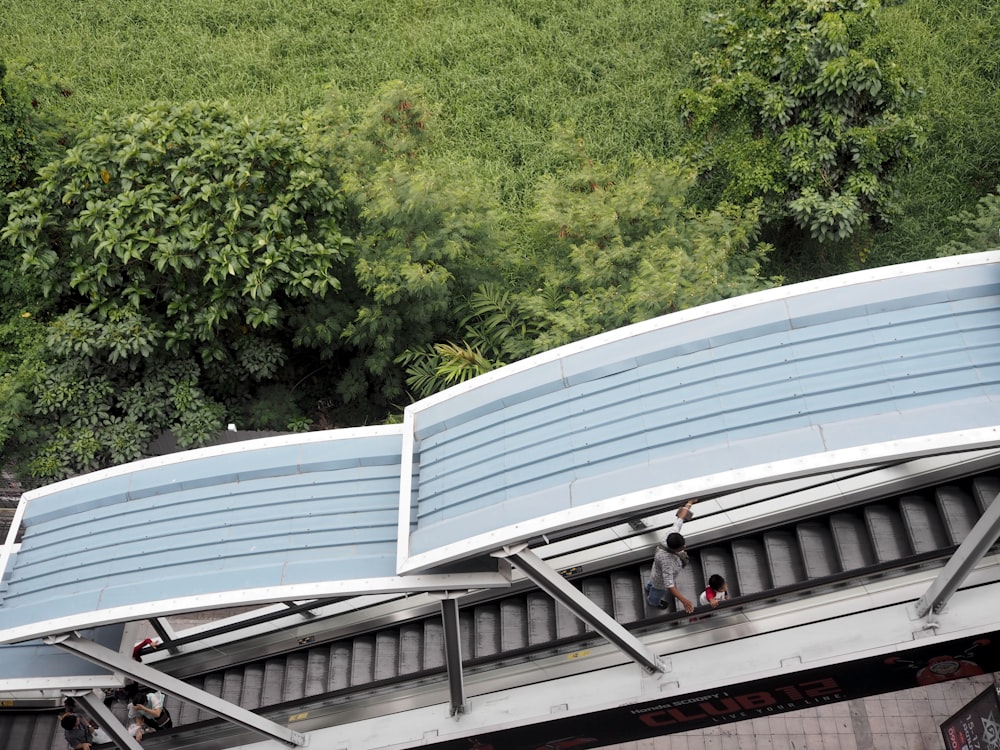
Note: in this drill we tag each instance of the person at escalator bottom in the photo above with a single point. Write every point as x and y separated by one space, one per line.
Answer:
668 561
77 733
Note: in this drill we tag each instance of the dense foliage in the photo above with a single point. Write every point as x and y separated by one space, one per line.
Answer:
800 104
616 245
205 265
326 246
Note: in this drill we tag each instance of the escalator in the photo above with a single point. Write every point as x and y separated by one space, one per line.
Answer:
332 674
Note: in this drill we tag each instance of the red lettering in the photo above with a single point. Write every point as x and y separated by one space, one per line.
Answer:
720 707
827 686
678 713
656 719
791 692
756 700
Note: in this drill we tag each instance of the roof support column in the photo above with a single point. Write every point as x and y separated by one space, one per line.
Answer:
983 535
453 654
94 652
567 594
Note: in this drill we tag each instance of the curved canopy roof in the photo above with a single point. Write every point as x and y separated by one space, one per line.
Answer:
855 370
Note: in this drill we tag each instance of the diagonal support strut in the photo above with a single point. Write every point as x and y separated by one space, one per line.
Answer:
453 654
983 535
95 707
567 594
105 657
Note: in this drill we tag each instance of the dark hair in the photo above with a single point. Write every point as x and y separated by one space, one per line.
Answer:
70 704
675 542
716 581
68 721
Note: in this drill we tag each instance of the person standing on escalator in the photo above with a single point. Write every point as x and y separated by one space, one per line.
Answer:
669 560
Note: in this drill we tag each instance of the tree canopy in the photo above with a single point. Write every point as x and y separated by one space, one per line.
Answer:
801 104
311 255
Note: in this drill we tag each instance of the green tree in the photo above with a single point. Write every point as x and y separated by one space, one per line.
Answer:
980 229
800 104
206 267
615 245
426 233
175 242
18 140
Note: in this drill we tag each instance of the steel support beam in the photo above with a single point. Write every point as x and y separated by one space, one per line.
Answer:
567 594
983 536
453 654
105 657
95 707
165 633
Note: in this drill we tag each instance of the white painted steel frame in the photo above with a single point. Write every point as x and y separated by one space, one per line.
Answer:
979 540
95 707
148 676
574 600
873 620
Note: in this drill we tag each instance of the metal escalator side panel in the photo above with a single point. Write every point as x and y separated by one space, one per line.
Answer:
253 686
295 676
541 618
513 624
273 687
433 645
232 685
386 654
851 541
411 648
752 569
923 524
958 512
628 593
317 665
212 686
339 675
567 624
598 590
188 713
887 532
362 661
487 631
784 556
819 554
985 489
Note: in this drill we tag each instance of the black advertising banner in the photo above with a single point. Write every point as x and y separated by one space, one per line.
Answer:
976 726
902 670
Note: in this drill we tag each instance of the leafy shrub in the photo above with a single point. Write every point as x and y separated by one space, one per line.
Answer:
800 104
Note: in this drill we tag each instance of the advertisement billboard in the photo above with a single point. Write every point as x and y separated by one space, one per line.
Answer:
910 668
976 726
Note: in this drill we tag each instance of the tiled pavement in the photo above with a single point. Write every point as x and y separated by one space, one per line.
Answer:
908 720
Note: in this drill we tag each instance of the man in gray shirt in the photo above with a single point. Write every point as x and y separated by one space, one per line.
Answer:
669 559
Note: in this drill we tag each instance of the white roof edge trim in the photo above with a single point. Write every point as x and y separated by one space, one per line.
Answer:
10 548
58 683
242 597
405 490
276 441
713 308
726 481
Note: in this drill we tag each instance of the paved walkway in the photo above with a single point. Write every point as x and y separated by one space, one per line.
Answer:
908 720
